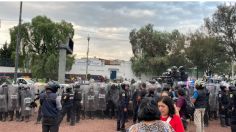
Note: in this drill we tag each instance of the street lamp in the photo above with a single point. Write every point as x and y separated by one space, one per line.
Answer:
87 58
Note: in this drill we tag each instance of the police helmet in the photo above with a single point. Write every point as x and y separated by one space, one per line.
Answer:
77 85
68 88
181 68
232 88
174 68
53 86
222 87
124 84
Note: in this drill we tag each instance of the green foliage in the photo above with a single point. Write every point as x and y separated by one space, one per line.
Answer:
51 67
155 51
222 26
207 54
5 55
40 40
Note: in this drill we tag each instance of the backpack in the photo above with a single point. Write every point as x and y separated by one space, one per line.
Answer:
189 109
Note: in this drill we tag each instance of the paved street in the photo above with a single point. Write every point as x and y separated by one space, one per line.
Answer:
96 125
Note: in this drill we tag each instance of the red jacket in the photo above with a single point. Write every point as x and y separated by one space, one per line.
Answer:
176 123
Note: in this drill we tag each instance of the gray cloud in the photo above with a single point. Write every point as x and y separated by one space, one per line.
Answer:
109 23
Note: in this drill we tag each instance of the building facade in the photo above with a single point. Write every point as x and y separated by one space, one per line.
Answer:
110 69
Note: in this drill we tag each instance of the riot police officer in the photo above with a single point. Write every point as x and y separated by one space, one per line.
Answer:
136 99
183 74
13 102
77 102
67 100
26 100
102 99
50 107
232 95
122 107
223 106
175 75
90 101
3 101
112 99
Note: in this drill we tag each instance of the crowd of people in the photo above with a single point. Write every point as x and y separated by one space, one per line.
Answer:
154 106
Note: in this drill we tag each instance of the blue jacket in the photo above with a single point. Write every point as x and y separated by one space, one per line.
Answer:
48 104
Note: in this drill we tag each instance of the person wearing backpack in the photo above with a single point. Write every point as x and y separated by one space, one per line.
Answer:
181 106
199 101
50 107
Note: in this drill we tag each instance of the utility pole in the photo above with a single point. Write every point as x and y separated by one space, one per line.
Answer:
233 63
18 44
87 58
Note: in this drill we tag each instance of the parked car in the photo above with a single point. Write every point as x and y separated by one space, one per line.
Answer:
26 81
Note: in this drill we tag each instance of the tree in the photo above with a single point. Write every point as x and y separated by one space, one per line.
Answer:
40 40
176 50
155 51
6 56
206 53
222 25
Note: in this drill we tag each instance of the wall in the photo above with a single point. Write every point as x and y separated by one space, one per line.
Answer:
98 67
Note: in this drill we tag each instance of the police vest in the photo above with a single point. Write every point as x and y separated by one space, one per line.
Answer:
102 94
201 99
27 102
232 97
91 97
48 105
78 96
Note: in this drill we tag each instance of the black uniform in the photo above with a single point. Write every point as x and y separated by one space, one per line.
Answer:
101 100
223 107
77 103
122 108
67 105
136 99
206 115
112 98
232 96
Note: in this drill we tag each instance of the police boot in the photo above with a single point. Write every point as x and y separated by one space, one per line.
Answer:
122 128
222 121
134 121
92 115
227 122
17 115
3 117
0 116
68 119
110 114
118 126
77 119
72 123
27 119
103 114
22 118
11 116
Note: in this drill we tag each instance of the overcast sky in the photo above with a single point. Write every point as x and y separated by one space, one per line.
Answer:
109 23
